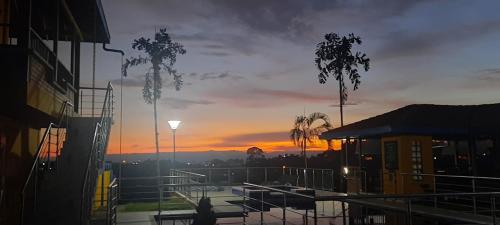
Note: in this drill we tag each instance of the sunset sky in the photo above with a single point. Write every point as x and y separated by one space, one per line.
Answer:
249 66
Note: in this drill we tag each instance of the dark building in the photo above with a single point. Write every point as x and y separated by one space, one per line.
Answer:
43 127
424 139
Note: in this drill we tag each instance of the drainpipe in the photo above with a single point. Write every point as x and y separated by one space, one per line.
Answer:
112 50
121 125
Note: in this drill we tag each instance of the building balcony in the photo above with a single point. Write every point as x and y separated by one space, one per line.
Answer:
37 80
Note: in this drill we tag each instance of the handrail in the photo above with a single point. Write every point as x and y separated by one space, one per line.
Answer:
340 196
113 183
61 117
451 176
279 190
151 178
96 88
100 125
111 202
190 173
39 152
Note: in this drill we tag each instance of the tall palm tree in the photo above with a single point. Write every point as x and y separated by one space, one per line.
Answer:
161 53
305 132
334 57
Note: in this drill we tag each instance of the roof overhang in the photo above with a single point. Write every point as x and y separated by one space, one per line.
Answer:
393 131
87 13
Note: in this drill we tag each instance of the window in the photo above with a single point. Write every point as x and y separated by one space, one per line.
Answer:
416 159
391 155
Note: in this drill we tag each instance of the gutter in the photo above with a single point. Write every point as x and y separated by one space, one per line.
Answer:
112 50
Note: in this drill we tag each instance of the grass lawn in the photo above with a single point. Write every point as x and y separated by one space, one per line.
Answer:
175 203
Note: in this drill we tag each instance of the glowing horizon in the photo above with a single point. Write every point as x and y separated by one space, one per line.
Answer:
248 74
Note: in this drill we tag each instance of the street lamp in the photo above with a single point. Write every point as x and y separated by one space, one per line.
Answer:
173 125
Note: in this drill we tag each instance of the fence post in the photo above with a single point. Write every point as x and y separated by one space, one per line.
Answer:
474 197
248 175
265 175
435 191
261 207
108 207
306 217
315 213
344 220
493 209
322 179
314 179
284 209
410 222
244 205
209 175
333 181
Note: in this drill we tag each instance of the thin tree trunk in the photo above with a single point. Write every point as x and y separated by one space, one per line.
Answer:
341 104
305 163
156 73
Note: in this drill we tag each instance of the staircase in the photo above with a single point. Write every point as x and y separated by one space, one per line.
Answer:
61 185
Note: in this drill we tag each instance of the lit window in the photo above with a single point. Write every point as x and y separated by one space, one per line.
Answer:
416 158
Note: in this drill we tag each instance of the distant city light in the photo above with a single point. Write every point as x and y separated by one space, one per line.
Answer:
346 170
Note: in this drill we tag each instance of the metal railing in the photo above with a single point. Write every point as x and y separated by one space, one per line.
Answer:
438 183
318 178
289 204
57 74
112 203
184 181
188 185
93 101
45 159
97 152
260 199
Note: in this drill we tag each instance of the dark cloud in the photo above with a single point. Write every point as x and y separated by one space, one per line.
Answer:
258 137
404 43
294 95
262 97
249 140
214 46
139 80
237 42
215 76
218 54
490 76
179 103
131 81
345 104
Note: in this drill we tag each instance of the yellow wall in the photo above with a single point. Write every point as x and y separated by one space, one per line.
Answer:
20 145
395 181
97 199
21 139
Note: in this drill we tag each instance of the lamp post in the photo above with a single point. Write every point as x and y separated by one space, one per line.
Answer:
173 125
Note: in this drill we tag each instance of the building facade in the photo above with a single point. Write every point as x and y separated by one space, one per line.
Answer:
40 51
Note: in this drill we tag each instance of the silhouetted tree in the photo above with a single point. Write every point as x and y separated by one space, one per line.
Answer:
205 214
254 155
335 58
161 53
304 131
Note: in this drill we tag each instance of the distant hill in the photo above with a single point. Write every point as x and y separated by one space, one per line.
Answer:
197 157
